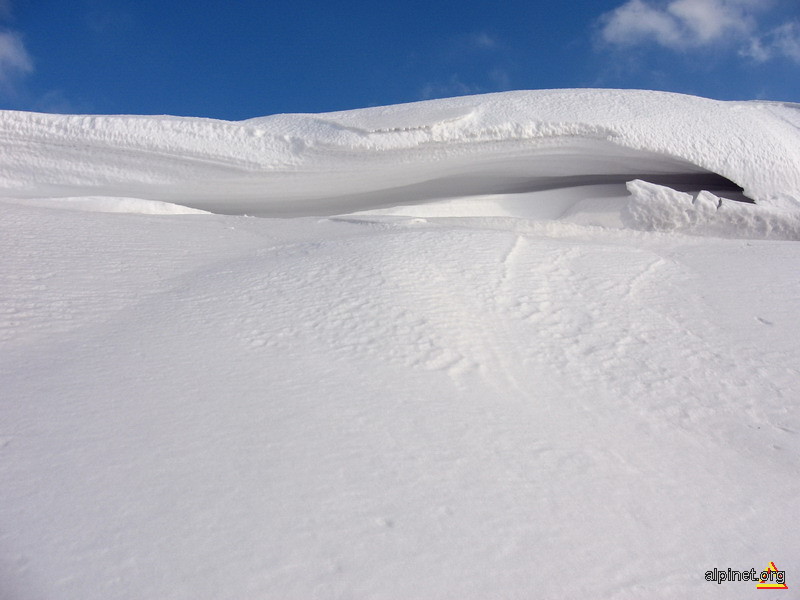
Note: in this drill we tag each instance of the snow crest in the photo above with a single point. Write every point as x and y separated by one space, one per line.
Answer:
497 144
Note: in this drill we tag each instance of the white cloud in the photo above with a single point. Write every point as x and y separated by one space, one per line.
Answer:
635 22
691 24
709 20
756 50
679 24
783 41
14 58
787 40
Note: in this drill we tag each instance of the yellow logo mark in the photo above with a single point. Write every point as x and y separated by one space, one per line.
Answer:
772 579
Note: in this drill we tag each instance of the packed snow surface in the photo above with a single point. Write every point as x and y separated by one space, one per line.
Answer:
524 345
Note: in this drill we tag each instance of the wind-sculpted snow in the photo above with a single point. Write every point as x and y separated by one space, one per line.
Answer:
659 208
510 356
499 144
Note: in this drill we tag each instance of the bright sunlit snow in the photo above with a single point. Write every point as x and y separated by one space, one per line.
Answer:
523 345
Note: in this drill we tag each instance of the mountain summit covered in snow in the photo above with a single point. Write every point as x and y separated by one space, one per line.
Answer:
522 345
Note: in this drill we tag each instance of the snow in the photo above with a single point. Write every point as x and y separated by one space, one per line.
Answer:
113 204
520 345
659 208
290 165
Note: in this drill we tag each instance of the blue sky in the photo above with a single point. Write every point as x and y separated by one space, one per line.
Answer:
238 59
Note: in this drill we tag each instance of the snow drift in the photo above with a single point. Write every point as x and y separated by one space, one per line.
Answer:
504 144
497 368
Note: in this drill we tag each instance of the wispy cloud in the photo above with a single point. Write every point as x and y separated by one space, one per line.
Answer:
496 79
56 101
453 86
684 25
482 40
678 24
14 59
457 48
15 62
500 78
781 41
468 63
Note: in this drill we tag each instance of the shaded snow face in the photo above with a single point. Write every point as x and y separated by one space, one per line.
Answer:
536 179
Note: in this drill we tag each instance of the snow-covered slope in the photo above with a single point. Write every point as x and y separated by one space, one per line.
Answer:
491 365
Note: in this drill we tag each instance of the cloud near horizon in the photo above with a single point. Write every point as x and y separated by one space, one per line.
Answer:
14 59
682 25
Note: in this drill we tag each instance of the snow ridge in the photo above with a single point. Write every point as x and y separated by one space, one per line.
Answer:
375 158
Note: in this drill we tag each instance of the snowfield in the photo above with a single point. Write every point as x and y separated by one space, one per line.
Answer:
522 345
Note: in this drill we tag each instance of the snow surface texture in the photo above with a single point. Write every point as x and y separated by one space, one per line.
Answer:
494 365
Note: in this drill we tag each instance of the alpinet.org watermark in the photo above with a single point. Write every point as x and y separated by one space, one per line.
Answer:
769 579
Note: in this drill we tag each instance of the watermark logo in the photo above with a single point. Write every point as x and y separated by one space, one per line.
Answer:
769 579
774 580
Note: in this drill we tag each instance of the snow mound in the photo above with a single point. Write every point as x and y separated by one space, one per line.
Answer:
109 204
500 145
659 208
